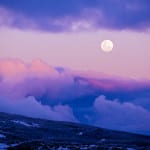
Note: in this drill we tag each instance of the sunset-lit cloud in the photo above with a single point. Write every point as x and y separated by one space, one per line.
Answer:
61 94
129 58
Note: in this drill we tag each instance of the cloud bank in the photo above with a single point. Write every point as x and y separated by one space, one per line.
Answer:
74 15
56 93
30 107
121 116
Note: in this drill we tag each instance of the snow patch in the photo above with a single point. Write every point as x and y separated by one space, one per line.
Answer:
3 121
35 125
92 146
25 123
80 133
102 140
3 146
62 148
21 122
2 136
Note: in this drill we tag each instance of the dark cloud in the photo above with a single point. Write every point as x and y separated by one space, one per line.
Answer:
68 15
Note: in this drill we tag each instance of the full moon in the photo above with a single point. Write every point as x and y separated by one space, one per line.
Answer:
107 45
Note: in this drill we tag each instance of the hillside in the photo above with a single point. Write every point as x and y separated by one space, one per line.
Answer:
20 132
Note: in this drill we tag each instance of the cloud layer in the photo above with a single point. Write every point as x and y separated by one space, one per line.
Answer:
43 91
30 107
123 116
72 15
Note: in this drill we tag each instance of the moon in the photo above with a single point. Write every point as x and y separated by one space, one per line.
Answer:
107 45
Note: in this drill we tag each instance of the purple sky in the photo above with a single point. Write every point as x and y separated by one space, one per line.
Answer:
55 45
66 33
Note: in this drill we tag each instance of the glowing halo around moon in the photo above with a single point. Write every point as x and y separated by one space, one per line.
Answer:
107 46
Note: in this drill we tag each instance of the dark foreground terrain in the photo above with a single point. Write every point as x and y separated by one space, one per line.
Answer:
24 133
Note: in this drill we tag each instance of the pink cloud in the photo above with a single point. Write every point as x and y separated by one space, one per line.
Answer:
12 68
19 80
40 90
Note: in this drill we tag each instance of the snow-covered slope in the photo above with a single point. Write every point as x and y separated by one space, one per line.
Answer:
19 132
